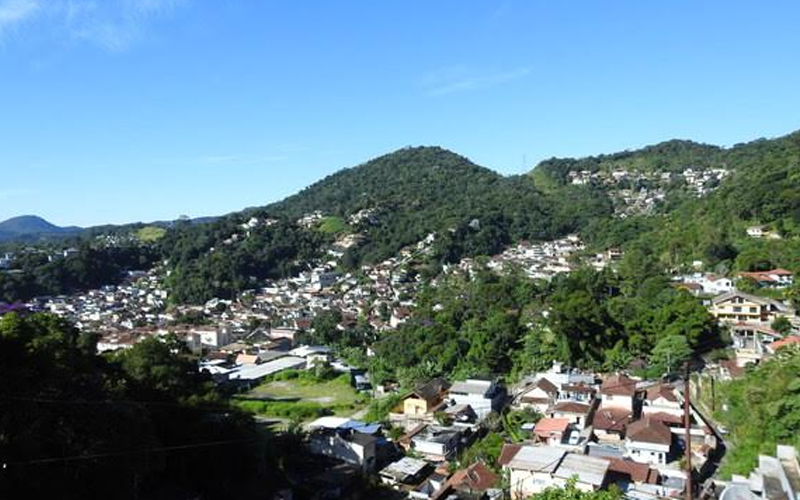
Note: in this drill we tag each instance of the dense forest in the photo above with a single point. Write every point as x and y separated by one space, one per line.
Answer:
202 265
416 191
143 423
491 325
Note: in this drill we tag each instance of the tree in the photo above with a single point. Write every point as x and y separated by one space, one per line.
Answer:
782 325
671 352
571 492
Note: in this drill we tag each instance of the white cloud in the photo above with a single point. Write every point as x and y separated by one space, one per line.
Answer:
459 79
15 12
114 25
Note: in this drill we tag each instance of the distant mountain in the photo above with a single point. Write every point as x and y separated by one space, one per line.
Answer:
32 226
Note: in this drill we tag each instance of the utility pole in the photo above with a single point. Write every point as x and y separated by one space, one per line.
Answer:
687 414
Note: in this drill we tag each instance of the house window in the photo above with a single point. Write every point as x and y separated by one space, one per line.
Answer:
737 309
753 309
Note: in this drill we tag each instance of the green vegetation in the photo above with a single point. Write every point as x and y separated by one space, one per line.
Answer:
302 396
417 191
333 225
204 266
379 409
763 410
486 450
500 325
92 267
150 234
571 492
119 419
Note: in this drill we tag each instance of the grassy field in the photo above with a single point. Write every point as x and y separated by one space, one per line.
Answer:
151 233
333 225
300 396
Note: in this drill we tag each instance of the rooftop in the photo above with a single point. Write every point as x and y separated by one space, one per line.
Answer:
590 470
537 458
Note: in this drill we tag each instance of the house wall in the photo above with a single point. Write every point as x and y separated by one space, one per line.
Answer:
482 406
612 401
647 453
578 421
524 483
415 406
580 485
737 309
440 451
336 447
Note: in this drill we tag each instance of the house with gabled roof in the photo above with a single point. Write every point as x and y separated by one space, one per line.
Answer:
648 441
425 397
662 398
552 430
609 424
578 414
538 396
618 391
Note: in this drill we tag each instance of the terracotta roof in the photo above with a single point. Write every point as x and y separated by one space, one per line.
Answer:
614 419
543 401
638 473
547 426
508 453
571 407
649 431
667 418
477 477
618 385
792 340
662 391
546 386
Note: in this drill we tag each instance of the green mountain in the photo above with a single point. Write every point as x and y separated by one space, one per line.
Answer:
30 226
415 191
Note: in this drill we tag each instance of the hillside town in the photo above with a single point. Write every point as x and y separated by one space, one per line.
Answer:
598 429
640 192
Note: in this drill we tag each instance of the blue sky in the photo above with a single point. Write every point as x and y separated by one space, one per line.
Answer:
115 111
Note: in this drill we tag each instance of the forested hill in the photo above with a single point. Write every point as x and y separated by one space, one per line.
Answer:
390 202
669 156
31 227
415 191
761 188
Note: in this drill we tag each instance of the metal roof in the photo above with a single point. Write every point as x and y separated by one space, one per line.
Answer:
256 372
591 470
537 459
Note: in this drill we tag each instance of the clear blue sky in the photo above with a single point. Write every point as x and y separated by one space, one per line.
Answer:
125 110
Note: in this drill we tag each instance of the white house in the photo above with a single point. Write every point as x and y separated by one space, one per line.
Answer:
662 399
539 396
648 442
212 337
347 445
618 391
533 469
437 443
484 396
578 414
530 468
